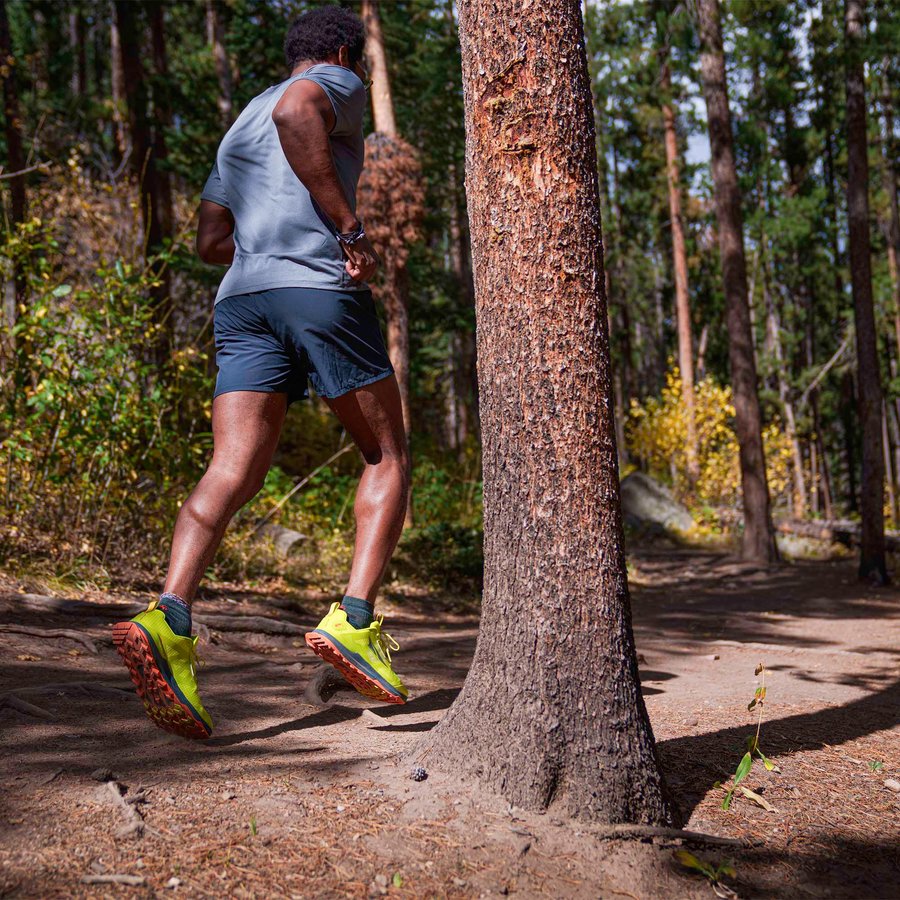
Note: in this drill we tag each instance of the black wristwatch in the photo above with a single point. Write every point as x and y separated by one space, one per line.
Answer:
351 237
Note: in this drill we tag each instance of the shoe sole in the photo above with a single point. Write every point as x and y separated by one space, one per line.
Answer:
165 709
365 684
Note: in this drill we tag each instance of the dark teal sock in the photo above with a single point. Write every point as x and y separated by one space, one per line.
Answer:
177 613
359 611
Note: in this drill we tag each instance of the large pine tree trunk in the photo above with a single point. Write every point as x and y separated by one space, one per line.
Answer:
551 711
869 399
679 265
758 541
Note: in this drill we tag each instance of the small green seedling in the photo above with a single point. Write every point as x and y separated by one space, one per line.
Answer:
253 825
714 873
876 765
753 749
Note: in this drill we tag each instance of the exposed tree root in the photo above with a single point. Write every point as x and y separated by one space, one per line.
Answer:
82 639
638 832
79 687
23 706
259 624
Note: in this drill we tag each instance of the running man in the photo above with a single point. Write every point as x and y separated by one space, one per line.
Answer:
279 208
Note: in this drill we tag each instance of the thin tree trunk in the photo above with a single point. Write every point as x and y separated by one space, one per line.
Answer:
382 102
623 336
78 44
888 468
890 185
869 400
701 352
827 491
784 395
758 541
15 152
216 39
679 265
461 361
117 78
849 427
814 493
396 288
551 712
790 423
14 295
162 109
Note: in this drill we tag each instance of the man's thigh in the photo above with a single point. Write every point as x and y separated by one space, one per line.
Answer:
373 417
246 428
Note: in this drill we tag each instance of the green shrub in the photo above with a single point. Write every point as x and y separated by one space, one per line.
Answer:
98 443
444 555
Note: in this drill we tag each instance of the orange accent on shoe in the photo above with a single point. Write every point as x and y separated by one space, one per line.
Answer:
162 704
368 687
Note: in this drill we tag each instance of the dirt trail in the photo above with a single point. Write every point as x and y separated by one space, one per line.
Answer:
293 799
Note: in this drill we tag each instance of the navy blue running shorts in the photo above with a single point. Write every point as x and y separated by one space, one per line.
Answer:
273 341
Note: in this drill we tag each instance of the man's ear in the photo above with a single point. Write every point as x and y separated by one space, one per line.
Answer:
344 56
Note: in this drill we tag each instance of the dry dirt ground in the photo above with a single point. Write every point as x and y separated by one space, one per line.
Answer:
291 798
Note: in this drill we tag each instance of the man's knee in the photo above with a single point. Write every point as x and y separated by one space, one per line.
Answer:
395 458
240 485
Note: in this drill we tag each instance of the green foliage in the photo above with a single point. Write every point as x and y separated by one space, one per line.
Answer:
445 555
715 872
97 442
753 749
657 435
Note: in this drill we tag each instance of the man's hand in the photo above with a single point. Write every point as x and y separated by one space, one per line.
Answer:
362 260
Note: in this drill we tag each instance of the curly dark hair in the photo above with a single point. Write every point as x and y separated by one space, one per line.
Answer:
320 32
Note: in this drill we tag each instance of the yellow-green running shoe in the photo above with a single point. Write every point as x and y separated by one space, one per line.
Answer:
161 664
361 655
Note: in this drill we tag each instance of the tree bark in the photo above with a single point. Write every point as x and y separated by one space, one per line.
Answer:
216 40
14 294
758 540
382 102
79 51
551 712
889 173
461 362
15 152
144 161
117 84
680 268
869 397
396 281
162 109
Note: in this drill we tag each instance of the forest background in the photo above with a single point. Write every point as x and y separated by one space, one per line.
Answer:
112 116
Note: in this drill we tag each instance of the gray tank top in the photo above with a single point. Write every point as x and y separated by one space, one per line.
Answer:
281 236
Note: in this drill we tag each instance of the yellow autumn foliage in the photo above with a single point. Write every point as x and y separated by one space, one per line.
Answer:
656 433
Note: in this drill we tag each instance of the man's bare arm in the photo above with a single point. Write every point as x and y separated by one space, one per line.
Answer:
304 117
215 234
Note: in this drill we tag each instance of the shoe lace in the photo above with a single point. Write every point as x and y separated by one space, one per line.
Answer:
383 641
196 661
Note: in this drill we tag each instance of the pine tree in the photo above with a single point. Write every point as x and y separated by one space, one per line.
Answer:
551 711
